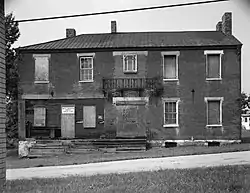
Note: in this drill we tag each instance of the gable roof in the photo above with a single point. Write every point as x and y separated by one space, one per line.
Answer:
138 40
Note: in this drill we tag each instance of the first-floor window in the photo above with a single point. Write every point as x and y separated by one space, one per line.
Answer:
214 111
39 116
170 112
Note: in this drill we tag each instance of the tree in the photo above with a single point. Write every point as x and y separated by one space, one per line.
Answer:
11 35
245 102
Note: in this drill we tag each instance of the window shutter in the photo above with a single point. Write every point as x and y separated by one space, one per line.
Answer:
214 112
170 67
213 66
39 116
42 68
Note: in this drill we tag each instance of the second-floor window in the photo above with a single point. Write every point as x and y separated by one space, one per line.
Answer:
86 69
170 65
130 63
213 64
41 68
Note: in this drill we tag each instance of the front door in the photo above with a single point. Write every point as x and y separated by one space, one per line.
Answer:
130 123
68 121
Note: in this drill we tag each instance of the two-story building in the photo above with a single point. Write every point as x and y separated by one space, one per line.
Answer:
159 85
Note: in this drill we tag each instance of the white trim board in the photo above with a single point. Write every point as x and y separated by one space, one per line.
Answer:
130 52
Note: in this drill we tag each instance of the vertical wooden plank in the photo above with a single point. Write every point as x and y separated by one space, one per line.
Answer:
68 121
2 99
21 119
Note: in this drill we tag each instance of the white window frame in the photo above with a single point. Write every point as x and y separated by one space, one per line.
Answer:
124 63
92 58
219 52
35 56
221 99
176 100
171 53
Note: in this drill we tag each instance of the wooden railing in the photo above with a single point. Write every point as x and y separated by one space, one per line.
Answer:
129 83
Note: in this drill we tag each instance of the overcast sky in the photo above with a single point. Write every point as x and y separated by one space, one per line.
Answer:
198 17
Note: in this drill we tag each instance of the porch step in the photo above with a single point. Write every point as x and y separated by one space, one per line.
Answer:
44 148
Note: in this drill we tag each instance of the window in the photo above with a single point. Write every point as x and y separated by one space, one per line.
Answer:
130 63
171 112
89 116
214 111
213 64
170 65
245 119
41 68
86 69
39 116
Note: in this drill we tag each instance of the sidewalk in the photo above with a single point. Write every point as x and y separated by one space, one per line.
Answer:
152 164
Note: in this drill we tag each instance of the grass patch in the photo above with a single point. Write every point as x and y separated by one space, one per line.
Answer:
12 161
208 180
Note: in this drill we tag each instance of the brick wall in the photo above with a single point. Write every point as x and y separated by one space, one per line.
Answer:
2 98
64 75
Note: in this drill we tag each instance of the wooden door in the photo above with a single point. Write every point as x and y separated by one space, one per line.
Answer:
130 122
89 116
68 121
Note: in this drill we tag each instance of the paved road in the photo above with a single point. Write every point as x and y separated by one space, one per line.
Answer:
151 164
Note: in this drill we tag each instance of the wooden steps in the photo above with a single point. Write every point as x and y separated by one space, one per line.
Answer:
84 146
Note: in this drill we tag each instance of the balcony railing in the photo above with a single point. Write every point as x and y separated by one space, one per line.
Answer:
129 83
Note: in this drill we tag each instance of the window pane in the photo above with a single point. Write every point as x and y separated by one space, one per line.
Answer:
170 113
213 112
41 68
129 62
86 63
169 67
213 66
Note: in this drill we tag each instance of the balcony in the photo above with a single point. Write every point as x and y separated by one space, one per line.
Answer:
121 84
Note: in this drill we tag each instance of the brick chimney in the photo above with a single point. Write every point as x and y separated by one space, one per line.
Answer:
113 27
225 25
70 33
219 26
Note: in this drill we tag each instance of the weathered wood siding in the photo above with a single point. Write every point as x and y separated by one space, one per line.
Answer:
2 98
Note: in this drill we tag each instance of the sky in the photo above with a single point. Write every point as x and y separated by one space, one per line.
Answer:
189 18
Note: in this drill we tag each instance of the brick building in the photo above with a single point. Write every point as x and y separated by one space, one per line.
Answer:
159 85
2 98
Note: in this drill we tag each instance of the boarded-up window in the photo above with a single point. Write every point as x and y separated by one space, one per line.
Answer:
39 116
86 69
170 113
170 67
89 116
213 66
130 63
41 67
214 112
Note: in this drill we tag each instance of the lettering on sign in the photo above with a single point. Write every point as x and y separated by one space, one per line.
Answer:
68 110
